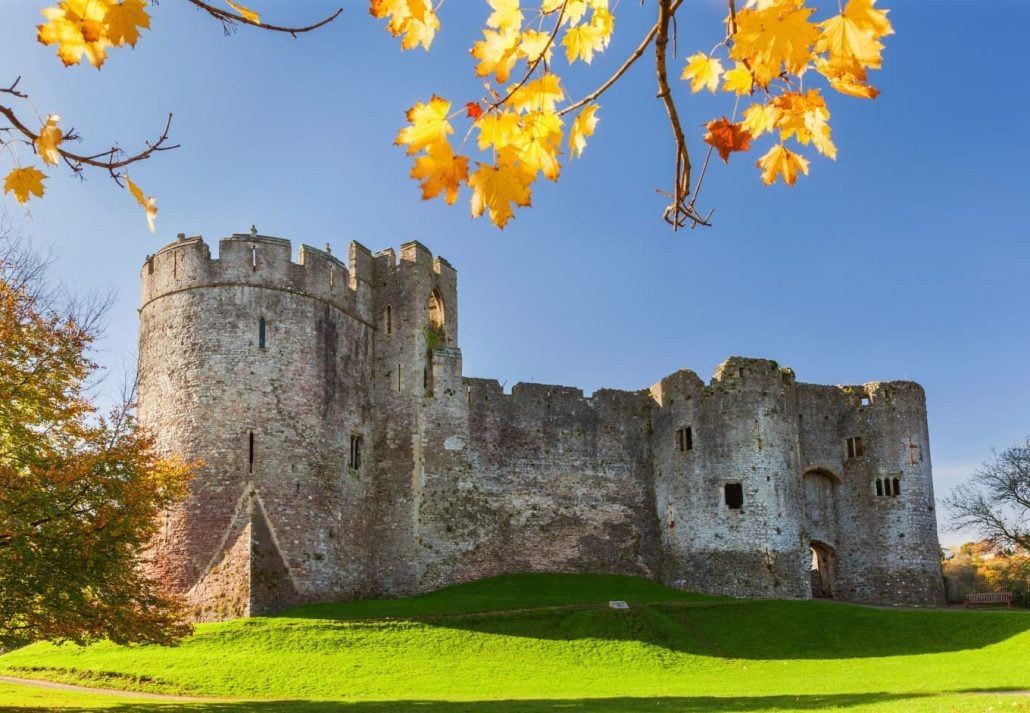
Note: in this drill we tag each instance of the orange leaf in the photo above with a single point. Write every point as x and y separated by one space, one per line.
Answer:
473 110
727 137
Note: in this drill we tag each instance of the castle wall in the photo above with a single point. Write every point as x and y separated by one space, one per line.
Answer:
743 431
541 480
268 372
886 545
270 424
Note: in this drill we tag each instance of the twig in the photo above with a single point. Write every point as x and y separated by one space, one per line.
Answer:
229 18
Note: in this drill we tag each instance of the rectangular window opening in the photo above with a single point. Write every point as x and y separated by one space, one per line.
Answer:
685 439
879 486
253 257
355 451
734 494
261 333
389 319
865 400
855 447
250 455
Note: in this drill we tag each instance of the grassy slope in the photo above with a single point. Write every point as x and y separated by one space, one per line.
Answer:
694 651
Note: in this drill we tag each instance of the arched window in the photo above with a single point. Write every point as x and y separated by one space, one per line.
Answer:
436 311
897 487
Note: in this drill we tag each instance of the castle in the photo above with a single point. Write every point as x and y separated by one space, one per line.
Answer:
344 454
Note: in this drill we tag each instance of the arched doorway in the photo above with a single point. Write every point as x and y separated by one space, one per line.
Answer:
821 570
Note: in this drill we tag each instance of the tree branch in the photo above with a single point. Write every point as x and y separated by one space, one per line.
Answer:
230 19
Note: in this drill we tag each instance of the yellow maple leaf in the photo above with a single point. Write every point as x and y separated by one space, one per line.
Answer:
779 162
441 171
414 19
506 15
773 36
77 28
542 93
703 72
738 80
760 118
148 203
25 182
582 128
497 130
123 21
49 139
245 12
428 125
847 78
496 188
533 43
497 53
538 143
582 41
805 116
853 35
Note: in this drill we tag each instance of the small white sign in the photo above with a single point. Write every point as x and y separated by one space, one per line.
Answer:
618 604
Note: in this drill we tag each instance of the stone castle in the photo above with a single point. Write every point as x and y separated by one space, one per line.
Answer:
344 454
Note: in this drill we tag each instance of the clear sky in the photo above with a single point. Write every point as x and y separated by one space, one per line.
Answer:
907 258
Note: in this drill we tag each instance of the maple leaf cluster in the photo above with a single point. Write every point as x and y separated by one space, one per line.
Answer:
518 123
774 47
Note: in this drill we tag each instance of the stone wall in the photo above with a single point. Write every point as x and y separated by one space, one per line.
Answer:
266 371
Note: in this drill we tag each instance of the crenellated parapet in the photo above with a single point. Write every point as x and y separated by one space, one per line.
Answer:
253 260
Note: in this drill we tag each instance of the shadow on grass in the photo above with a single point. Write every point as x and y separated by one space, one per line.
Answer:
693 704
761 630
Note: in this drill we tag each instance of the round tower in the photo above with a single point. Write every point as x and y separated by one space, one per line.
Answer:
259 369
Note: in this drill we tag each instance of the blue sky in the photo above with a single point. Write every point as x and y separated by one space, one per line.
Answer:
906 258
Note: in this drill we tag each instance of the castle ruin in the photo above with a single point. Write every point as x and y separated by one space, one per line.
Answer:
344 454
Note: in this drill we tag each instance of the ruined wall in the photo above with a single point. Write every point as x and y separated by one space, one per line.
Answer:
275 515
743 431
886 546
539 480
459 480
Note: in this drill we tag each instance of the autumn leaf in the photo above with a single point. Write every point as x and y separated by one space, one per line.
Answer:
506 15
582 41
244 12
497 130
23 182
773 36
738 80
703 72
495 188
540 94
582 128
538 142
77 28
123 21
760 118
847 78
779 162
428 125
48 140
727 137
805 116
473 110
533 44
412 19
854 34
148 203
440 170
497 53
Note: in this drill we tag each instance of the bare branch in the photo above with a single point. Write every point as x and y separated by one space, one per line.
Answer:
230 19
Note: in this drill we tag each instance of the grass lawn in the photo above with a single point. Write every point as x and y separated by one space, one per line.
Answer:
549 642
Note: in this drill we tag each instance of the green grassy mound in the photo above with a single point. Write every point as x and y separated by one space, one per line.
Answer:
549 642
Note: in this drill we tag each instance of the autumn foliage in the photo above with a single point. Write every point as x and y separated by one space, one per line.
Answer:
773 64
80 493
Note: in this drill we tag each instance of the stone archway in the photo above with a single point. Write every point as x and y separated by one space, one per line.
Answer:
823 559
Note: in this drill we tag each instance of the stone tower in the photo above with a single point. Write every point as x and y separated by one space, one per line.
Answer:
343 453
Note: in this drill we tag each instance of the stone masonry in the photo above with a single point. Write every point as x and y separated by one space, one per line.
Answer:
344 454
